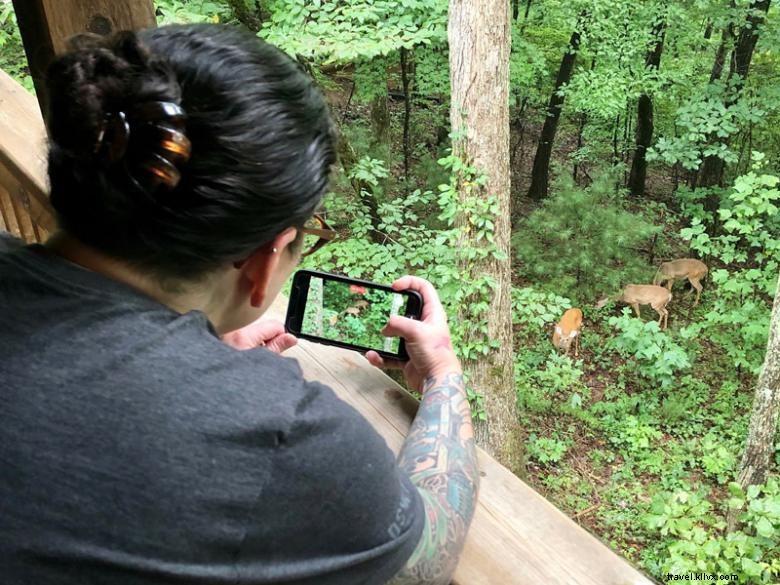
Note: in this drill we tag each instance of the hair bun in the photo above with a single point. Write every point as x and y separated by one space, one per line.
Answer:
99 78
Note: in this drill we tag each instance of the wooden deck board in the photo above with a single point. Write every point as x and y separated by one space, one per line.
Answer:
517 537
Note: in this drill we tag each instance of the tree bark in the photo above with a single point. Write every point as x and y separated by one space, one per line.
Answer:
711 173
380 121
644 116
580 133
479 41
245 16
746 42
540 175
405 82
766 408
720 54
348 158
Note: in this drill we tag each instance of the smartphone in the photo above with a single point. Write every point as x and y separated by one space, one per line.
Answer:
347 312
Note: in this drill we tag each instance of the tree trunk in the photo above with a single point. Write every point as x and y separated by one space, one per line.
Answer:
644 116
315 298
242 14
712 169
708 29
580 132
746 42
348 158
766 408
615 149
540 175
380 121
479 40
723 48
405 82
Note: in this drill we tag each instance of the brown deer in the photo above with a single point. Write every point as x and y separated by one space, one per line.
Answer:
643 294
568 330
693 270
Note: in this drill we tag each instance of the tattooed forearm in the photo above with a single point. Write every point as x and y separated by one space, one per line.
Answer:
440 457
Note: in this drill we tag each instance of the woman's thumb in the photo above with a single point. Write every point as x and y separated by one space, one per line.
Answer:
399 326
282 342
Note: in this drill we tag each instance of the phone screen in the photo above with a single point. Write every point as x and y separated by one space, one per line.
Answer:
351 313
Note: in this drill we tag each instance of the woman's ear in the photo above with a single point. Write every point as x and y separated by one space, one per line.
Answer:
261 265
286 239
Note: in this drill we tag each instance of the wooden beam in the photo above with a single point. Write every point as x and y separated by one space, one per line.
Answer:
9 213
46 26
23 179
21 203
33 220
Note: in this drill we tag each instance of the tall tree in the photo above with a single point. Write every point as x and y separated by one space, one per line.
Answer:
723 47
479 40
644 117
540 175
766 410
406 84
711 173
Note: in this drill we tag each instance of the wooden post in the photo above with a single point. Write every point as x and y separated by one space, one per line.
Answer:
46 26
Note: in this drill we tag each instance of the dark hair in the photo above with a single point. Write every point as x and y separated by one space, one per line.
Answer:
262 146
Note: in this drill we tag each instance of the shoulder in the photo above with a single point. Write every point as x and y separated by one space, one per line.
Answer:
346 503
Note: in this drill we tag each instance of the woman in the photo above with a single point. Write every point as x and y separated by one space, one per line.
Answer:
139 445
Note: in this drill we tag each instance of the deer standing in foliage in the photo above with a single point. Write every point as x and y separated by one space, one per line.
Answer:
568 330
693 270
643 294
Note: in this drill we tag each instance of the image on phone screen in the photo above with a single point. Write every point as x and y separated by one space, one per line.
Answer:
350 313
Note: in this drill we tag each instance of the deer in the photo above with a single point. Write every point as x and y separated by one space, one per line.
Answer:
568 330
693 270
643 294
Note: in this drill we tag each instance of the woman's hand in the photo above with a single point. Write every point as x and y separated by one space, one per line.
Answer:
263 332
427 340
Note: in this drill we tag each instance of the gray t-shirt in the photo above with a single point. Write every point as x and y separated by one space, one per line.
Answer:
138 449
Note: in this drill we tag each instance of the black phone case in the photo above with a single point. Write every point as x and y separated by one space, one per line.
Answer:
297 306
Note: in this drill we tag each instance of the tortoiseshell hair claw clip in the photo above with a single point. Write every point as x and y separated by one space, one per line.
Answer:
159 144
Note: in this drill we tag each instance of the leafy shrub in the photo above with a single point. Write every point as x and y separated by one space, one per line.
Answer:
634 436
560 374
12 58
696 541
701 118
738 315
656 356
582 240
335 31
180 11
545 450
537 309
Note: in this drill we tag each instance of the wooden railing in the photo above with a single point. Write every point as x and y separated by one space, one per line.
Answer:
517 537
24 205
